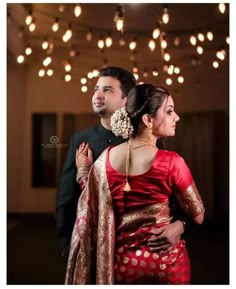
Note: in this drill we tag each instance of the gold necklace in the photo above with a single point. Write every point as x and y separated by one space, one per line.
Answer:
145 140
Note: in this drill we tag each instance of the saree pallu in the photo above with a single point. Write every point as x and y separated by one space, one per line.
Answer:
91 257
135 263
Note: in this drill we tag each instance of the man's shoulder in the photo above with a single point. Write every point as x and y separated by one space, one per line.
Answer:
88 132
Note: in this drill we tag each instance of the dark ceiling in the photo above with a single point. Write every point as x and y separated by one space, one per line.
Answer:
140 20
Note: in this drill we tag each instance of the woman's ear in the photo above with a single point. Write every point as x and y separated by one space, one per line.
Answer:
147 120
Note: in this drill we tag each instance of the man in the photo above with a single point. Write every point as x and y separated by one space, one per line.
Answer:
110 93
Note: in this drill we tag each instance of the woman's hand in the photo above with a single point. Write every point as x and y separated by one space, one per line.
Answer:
83 156
84 161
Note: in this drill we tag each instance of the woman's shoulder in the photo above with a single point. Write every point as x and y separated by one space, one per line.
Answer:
170 154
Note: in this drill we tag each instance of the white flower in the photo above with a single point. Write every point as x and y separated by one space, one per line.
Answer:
120 123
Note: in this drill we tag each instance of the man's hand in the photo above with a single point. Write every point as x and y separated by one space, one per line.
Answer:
165 238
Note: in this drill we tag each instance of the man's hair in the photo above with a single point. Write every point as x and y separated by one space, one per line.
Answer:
126 78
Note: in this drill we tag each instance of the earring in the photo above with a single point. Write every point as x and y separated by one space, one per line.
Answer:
150 131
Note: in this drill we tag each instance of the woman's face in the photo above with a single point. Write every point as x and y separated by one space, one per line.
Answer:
164 123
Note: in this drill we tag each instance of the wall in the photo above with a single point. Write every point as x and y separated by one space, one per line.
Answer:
27 93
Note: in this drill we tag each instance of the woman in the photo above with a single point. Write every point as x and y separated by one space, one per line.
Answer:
128 197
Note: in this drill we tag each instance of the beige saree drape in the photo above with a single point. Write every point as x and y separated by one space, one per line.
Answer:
91 258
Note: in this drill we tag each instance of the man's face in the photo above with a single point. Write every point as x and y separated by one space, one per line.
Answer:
107 96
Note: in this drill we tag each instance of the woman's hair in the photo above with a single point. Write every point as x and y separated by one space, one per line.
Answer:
142 99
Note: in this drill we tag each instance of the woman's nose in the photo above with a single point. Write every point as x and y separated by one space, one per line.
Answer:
177 117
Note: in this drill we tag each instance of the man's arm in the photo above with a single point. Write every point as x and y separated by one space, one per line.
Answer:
68 194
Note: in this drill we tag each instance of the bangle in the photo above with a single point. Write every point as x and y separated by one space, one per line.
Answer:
184 224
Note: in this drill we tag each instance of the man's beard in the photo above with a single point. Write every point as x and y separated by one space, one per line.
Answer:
99 111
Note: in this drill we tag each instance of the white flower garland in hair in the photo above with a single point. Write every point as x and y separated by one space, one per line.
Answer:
120 123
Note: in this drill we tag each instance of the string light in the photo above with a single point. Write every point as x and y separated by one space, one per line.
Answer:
50 72
89 35
169 81
108 40
220 54
28 50
201 37
77 10
156 32
152 44
132 45
222 8
119 15
55 25
119 18
193 40
32 26
84 88
180 79
210 36
29 18
101 43
199 49
215 64
41 73
20 58
165 15
67 77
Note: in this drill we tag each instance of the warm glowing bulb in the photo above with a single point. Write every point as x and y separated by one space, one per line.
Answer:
55 26
84 88
101 43
221 54
41 73
28 50
222 8
67 77
132 45
20 58
32 26
201 37
193 40
210 36
166 56
28 19
77 10
180 79
152 44
168 81
90 75
45 44
163 43
156 33
108 41
215 64
83 80
49 72
119 24
176 70
95 72
199 50
136 76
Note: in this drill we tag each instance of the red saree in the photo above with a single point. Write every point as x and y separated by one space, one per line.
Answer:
109 240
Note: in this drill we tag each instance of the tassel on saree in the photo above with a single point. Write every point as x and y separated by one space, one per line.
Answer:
127 187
